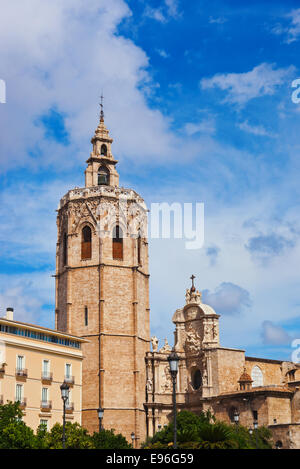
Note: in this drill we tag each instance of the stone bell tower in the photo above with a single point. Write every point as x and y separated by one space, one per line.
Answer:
102 290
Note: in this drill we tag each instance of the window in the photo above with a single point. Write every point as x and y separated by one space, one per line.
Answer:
65 249
86 243
117 243
196 379
104 150
103 176
45 394
19 392
20 362
139 249
86 316
46 369
44 423
257 377
68 370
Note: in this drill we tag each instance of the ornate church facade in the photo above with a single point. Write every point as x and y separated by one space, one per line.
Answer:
102 296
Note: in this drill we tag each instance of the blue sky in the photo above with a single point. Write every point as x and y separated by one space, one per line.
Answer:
198 101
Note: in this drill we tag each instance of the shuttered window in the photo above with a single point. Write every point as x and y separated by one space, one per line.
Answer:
86 243
117 243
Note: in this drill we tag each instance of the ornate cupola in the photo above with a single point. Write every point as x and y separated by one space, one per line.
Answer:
245 381
101 170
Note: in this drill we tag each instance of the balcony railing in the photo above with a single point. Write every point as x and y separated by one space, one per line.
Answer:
22 402
69 379
69 408
47 376
21 373
46 405
2 368
1 400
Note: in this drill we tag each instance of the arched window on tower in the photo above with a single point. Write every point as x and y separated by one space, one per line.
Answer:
104 150
103 176
65 249
139 249
86 243
117 243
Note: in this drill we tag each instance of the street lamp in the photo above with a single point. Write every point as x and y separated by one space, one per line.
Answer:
173 360
100 416
132 438
236 417
255 426
65 396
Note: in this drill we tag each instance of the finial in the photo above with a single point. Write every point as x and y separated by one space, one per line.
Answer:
193 289
101 111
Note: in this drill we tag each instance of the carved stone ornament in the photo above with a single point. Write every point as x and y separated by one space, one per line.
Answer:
166 348
154 342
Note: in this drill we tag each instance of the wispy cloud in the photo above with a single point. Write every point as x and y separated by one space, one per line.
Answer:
255 129
240 88
290 31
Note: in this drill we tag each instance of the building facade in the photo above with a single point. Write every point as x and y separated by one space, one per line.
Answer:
220 379
34 362
102 290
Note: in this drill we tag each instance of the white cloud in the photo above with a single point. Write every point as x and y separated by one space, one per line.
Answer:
293 31
217 20
263 80
274 335
162 53
228 298
255 129
169 9
64 59
206 126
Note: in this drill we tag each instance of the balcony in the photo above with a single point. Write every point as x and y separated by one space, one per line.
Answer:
70 380
2 369
22 402
70 408
46 406
21 373
1 400
47 377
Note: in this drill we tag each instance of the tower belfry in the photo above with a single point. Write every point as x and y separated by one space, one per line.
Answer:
101 169
102 289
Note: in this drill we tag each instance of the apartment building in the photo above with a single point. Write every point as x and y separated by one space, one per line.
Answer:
34 362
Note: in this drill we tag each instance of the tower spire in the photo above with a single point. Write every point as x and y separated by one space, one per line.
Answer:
101 109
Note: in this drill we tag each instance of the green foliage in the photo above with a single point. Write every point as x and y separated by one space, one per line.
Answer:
76 437
14 434
205 432
106 439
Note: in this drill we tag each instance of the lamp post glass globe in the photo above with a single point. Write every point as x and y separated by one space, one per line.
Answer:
64 391
100 413
173 360
236 416
255 424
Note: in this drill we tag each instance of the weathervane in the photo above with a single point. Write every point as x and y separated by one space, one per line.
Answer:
101 111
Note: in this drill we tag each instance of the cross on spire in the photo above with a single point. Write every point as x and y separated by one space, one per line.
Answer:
101 107
193 286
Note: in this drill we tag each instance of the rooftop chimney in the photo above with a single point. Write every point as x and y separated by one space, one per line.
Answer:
10 314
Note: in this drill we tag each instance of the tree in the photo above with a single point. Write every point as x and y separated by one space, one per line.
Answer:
205 432
14 434
77 437
106 439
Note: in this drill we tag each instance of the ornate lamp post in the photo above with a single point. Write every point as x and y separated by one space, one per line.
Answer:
173 362
132 438
100 416
236 417
255 425
65 396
